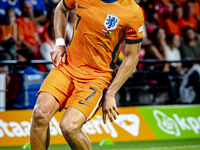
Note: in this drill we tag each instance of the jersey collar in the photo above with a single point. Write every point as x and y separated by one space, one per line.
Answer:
109 1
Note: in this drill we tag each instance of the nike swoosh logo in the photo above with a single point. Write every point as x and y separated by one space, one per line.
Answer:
81 7
82 103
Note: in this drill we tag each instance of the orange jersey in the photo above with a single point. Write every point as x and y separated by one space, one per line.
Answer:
45 32
190 21
143 13
172 27
100 29
8 32
196 9
27 29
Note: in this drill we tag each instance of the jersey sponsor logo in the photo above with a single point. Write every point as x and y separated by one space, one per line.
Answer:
111 22
81 7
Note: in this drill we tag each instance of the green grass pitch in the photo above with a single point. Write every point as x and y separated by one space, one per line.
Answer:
186 144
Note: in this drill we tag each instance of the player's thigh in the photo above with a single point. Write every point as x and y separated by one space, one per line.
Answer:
58 84
53 94
72 120
45 107
87 98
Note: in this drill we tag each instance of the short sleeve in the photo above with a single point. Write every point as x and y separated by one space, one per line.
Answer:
69 4
134 29
143 13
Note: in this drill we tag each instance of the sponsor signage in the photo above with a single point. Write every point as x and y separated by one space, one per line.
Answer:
130 126
133 124
173 122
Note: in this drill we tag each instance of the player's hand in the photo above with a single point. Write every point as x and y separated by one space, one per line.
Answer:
58 54
109 107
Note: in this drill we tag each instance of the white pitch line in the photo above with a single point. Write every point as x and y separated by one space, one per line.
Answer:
162 148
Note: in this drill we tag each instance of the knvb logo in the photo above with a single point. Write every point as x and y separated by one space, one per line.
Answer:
111 22
173 126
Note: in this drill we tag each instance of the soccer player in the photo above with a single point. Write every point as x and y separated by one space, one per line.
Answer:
82 80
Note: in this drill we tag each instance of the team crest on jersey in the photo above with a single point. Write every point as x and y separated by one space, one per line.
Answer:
111 22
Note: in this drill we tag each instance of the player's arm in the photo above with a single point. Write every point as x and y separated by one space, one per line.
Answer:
126 68
60 21
133 39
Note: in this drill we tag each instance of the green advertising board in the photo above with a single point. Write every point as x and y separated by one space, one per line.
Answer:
174 121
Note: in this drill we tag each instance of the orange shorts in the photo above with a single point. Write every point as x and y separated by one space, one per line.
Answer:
85 95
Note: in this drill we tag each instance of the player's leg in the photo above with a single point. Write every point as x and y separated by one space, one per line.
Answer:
82 105
71 124
53 94
44 110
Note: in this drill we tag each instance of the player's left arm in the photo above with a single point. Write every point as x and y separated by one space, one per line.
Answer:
133 39
126 68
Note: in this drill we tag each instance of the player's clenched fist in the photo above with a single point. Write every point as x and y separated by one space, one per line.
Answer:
58 54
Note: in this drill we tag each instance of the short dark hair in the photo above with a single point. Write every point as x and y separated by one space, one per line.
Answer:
25 52
176 6
170 37
184 30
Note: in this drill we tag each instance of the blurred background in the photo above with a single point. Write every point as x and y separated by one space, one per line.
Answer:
168 71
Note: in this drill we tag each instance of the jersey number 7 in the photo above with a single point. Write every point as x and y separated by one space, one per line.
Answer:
79 19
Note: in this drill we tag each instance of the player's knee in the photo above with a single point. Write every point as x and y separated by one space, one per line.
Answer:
39 117
69 129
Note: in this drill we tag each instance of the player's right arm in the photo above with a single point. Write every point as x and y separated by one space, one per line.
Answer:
60 21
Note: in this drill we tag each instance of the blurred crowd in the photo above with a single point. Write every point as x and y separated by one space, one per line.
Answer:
29 24
171 32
